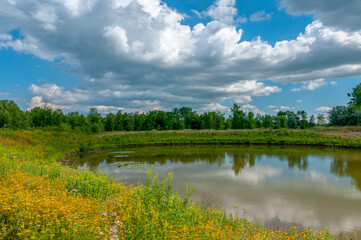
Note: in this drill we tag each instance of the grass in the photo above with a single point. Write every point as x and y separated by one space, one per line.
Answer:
41 199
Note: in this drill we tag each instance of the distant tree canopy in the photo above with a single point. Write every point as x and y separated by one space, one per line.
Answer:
184 118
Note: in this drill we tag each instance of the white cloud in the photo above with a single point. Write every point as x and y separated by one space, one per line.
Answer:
243 99
281 108
108 109
5 37
311 85
298 101
252 108
58 95
4 94
215 107
199 14
333 83
135 52
222 10
260 16
323 109
37 101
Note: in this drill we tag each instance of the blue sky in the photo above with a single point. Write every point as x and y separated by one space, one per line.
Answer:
139 55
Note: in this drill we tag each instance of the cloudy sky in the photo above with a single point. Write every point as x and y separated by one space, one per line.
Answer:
139 55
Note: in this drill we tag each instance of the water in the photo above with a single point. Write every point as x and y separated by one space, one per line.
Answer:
279 186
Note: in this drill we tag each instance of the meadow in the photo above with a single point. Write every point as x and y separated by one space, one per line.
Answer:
41 199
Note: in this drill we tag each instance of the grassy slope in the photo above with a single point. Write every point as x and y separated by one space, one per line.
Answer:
41 199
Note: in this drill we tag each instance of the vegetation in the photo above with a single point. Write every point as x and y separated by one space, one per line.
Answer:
43 200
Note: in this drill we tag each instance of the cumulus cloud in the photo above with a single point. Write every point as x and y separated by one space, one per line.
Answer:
260 16
243 99
137 54
58 95
311 85
328 11
252 108
323 109
298 101
222 10
281 108
216 107
37 101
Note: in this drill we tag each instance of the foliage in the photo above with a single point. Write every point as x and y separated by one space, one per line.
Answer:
12 117
184 118
355 98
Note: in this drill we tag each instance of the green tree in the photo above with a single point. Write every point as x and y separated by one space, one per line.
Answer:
12 117
292 120
321 119
178 121
119 121
41 117
355 97
139 120
251 121
338 116
268 121
95 119
238 117
128 122
312 121
109 122
303 117
281 121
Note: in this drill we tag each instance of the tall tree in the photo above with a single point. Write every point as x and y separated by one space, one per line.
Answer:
12 117
109 122
355 97
238 117
321 119
338 116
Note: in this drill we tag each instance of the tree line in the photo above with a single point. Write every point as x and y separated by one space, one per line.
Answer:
11 116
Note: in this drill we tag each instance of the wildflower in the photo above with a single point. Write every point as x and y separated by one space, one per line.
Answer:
118 223
113 230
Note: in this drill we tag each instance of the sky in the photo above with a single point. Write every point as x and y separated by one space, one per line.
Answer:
141 55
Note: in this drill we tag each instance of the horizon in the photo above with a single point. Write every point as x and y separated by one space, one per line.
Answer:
141 55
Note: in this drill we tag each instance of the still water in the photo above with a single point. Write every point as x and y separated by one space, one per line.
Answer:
279 186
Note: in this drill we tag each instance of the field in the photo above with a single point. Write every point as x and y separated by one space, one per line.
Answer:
40 199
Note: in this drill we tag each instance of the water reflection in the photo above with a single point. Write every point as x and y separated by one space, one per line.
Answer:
310 187
344 164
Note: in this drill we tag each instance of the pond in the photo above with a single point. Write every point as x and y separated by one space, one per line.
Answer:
279 186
